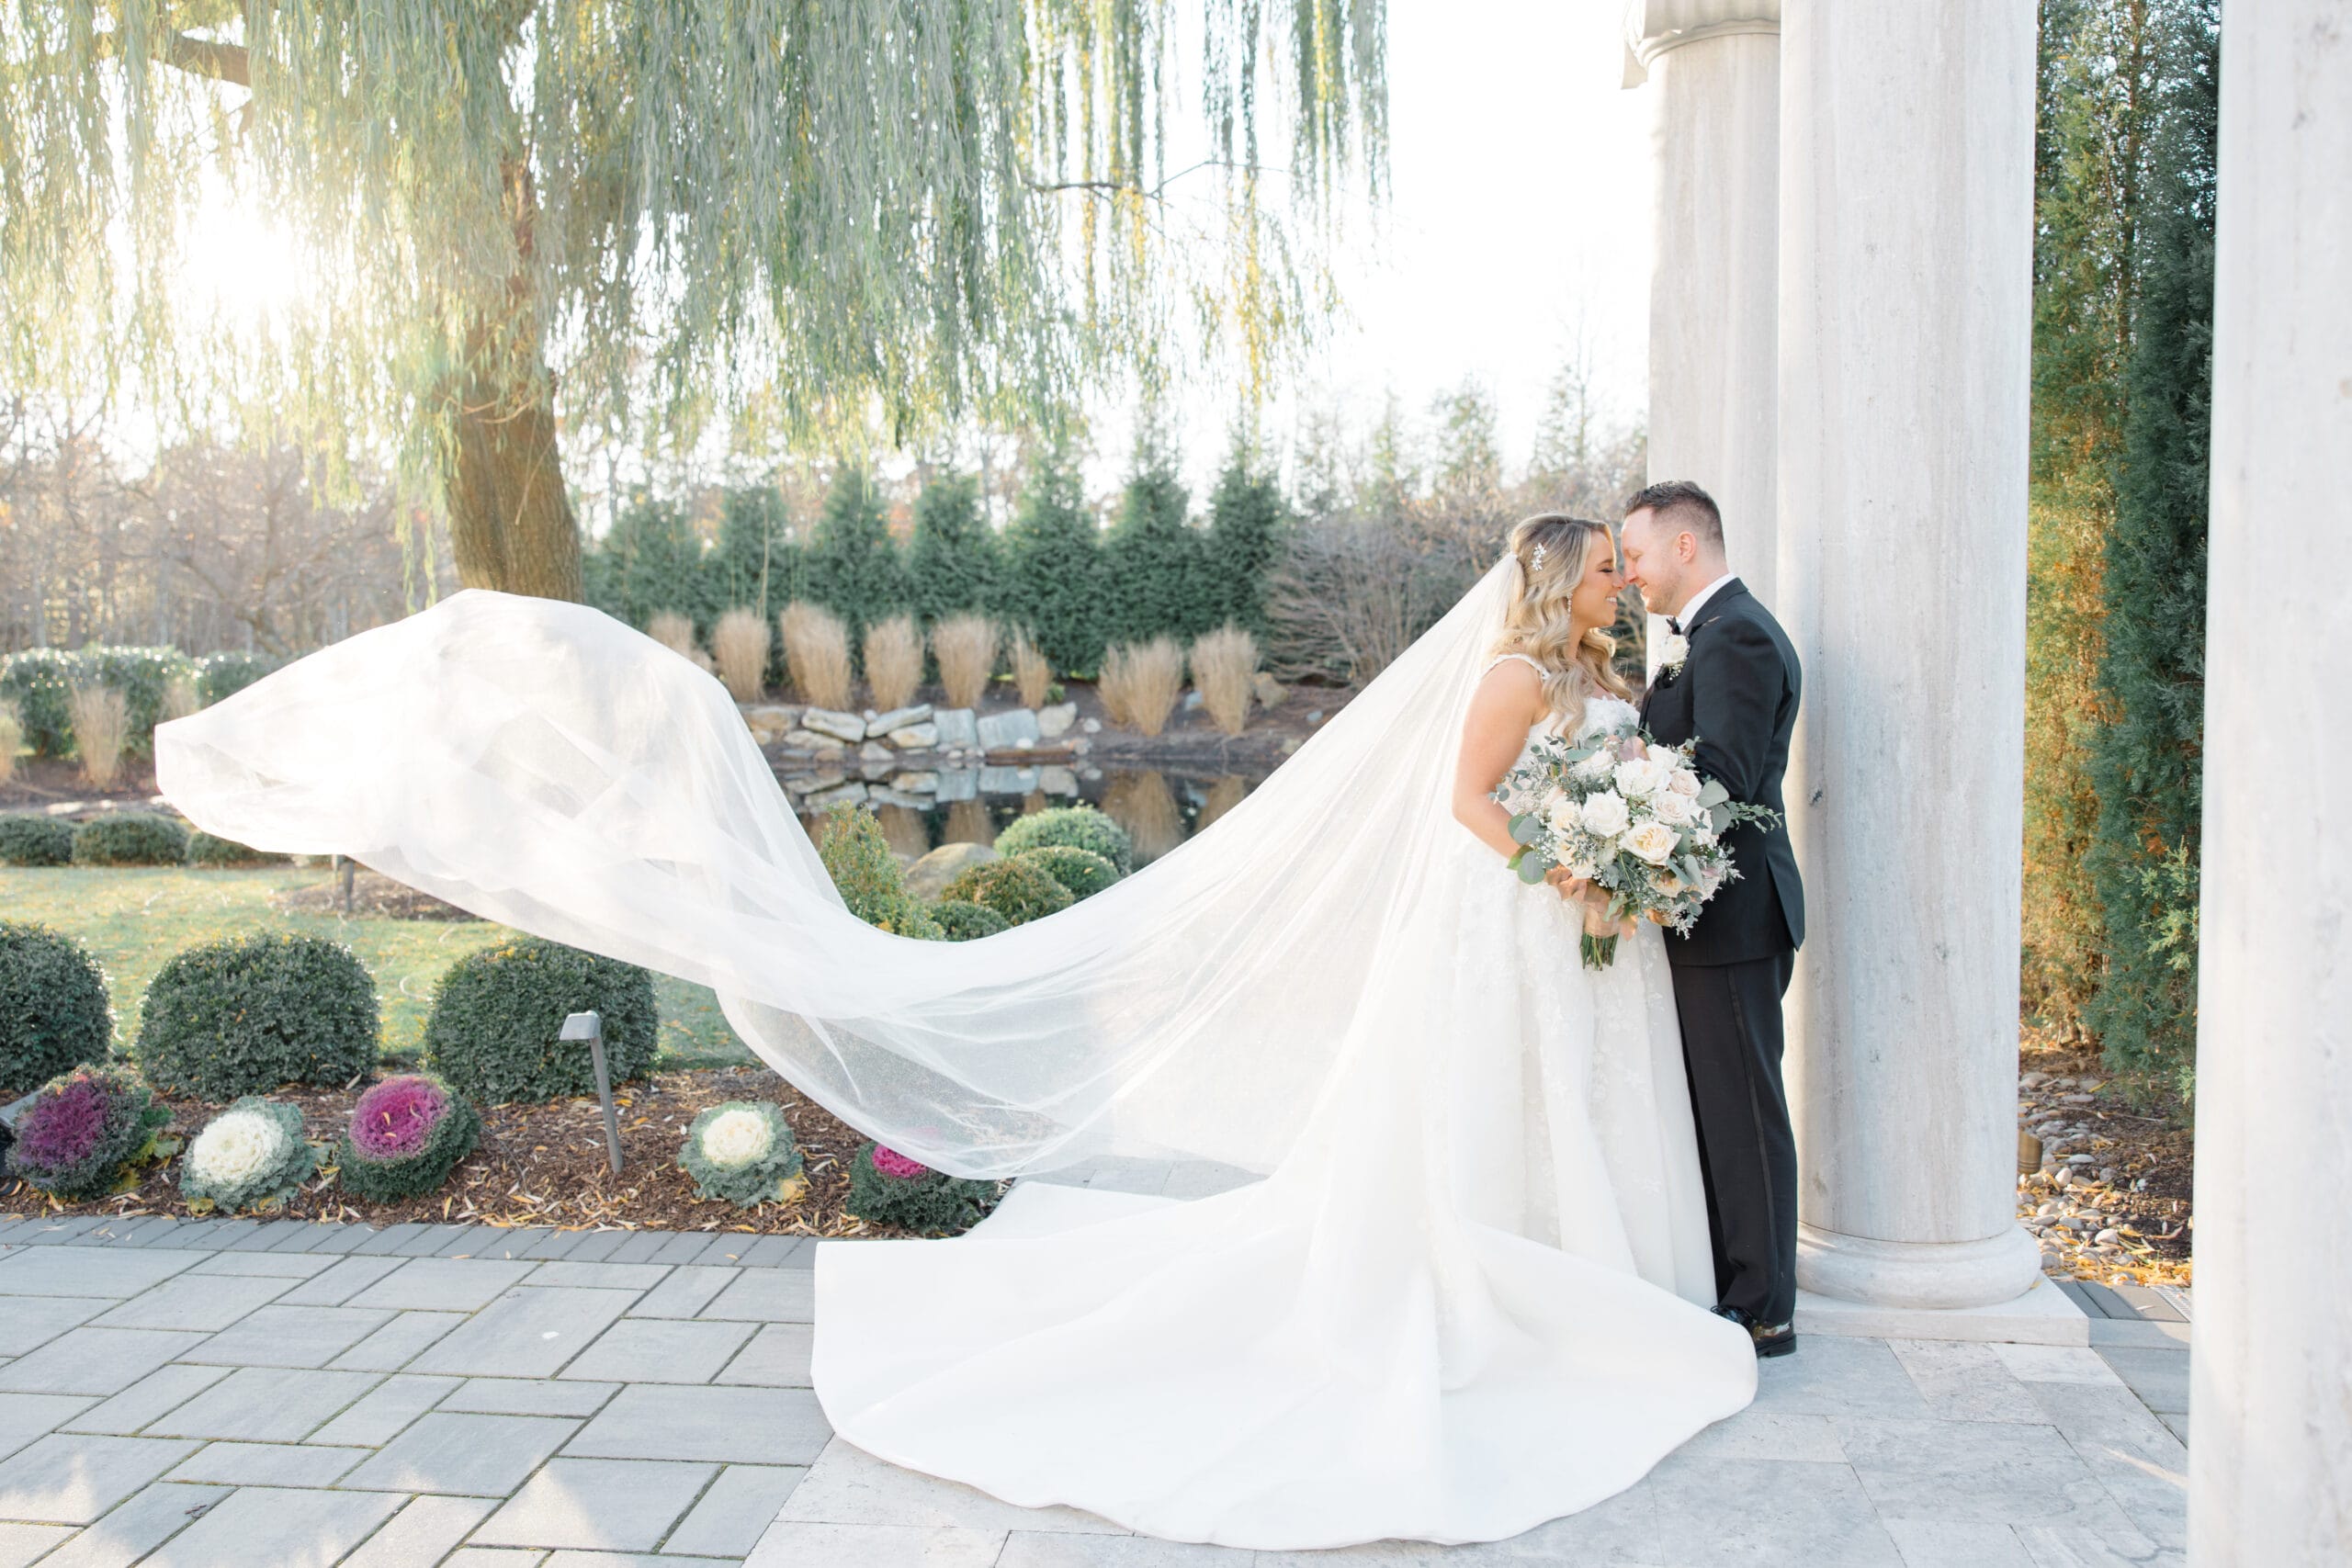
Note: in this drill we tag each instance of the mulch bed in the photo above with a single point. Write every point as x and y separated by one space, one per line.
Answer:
545 1165
2136 1184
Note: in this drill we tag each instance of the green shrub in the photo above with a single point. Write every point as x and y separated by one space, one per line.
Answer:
40 682
1083 871
887 1189
251 1014
497 1014
205 849
142 675
1080 826
54 1012
858 858
908 915
220 675
28 837
961 920
853 564
1016 888
1052 577
130 837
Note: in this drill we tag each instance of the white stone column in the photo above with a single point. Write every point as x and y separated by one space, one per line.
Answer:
1906 178
2270 1378
1714 70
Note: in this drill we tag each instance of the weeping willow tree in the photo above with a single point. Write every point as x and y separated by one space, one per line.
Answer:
527 221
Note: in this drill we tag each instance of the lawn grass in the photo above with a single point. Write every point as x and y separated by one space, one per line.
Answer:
133 918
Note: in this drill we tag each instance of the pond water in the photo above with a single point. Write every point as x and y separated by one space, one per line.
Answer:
1159 808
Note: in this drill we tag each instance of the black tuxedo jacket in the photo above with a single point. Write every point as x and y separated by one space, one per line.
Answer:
1738 692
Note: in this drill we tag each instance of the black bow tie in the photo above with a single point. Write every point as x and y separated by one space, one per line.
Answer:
1674 626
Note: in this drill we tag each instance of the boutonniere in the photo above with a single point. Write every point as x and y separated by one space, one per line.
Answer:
1672 653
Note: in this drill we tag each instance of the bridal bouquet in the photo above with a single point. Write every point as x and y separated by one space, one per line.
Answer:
1630 816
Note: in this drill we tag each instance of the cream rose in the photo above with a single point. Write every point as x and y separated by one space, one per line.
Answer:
737 1138
1684 782
1605 815
1673 651
237 1147
1598 766
1653 841
1674 810
1636 780
1563 816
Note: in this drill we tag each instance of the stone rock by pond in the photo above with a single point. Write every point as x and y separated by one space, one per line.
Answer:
810 740
1014 726
915 737
770 724
929 877
956 727
1055 720
845 727
897 718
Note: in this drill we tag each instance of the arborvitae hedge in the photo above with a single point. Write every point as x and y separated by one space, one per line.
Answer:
853 567
1054 582
651 562
952 561
1246 518
1155 561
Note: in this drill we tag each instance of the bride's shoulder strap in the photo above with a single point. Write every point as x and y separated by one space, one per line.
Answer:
1500 659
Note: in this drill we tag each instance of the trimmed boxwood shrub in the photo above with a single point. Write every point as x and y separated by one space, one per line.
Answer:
130 837
1082 827
1017 888
886 1188
251 1014
496 1015
223 675
1083 871
963 921
28 837
405 1136
83 1131
54 1012
40 680
207 848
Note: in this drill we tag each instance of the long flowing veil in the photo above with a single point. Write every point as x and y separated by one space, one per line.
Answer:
542 764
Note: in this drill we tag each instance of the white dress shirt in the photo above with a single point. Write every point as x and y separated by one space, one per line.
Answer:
1689 614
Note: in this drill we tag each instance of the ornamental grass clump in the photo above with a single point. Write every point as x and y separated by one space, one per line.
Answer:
101 730
53 1010
816 653
1225 664
250 1157
676 633
964 647
1017 888
1083 871
406 1134
84 1131
1141 682
739 645
1031 670
12 740
33 838
1082 825
741 1152
893 662
886 1188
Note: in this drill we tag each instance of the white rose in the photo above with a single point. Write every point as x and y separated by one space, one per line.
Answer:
1636 780
1674 810
237 1147
1684 782
737 1138
1605 815
1598 766
1673 650
1653 841
1563 816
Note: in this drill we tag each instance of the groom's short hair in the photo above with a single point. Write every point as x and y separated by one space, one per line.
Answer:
1683 506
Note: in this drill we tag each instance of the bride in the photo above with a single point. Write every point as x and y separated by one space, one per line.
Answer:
1470 1291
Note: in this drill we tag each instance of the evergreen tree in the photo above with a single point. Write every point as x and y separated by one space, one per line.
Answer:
2098 73
1153 558
853 567
1053 581
2148 760
1246 522
953 561
649 562
757 565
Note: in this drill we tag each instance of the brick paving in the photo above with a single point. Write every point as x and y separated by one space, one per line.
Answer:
197 1394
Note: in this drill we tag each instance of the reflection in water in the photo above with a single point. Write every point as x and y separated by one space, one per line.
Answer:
904 830
969 823
1145 807
1223 797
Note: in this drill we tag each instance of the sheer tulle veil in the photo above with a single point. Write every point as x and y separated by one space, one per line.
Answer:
542 764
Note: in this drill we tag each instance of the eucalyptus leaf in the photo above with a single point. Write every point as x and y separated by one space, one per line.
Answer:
1713 792
1532 868
1525 828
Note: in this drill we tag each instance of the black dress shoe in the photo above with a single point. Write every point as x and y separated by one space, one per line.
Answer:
1777 1340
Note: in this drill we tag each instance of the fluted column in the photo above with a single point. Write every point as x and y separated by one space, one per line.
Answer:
1906 290
2270 1378
1713 75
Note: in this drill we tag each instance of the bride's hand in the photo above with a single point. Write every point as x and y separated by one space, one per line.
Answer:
1570 886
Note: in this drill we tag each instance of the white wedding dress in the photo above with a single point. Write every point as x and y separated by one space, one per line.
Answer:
1468 1294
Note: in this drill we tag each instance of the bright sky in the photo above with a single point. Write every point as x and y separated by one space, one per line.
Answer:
1518 215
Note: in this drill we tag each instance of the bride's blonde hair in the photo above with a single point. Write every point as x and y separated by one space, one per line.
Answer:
1551 553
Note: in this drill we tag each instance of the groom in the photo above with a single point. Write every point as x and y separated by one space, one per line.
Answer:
1729 677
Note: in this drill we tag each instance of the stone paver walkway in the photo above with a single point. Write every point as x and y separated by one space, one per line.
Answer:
216 1393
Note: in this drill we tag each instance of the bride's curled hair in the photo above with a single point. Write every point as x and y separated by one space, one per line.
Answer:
1551 552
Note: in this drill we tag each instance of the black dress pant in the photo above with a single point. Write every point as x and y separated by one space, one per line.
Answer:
1748 1154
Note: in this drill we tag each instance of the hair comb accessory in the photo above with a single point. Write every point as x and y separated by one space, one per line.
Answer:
1539 555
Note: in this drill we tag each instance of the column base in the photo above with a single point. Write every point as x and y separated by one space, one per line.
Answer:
1932 1274
2044 1314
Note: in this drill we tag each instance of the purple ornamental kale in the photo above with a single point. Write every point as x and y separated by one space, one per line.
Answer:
394 1118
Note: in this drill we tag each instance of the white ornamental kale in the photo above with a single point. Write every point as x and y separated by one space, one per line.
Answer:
737 1137
251 1156
741 1152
